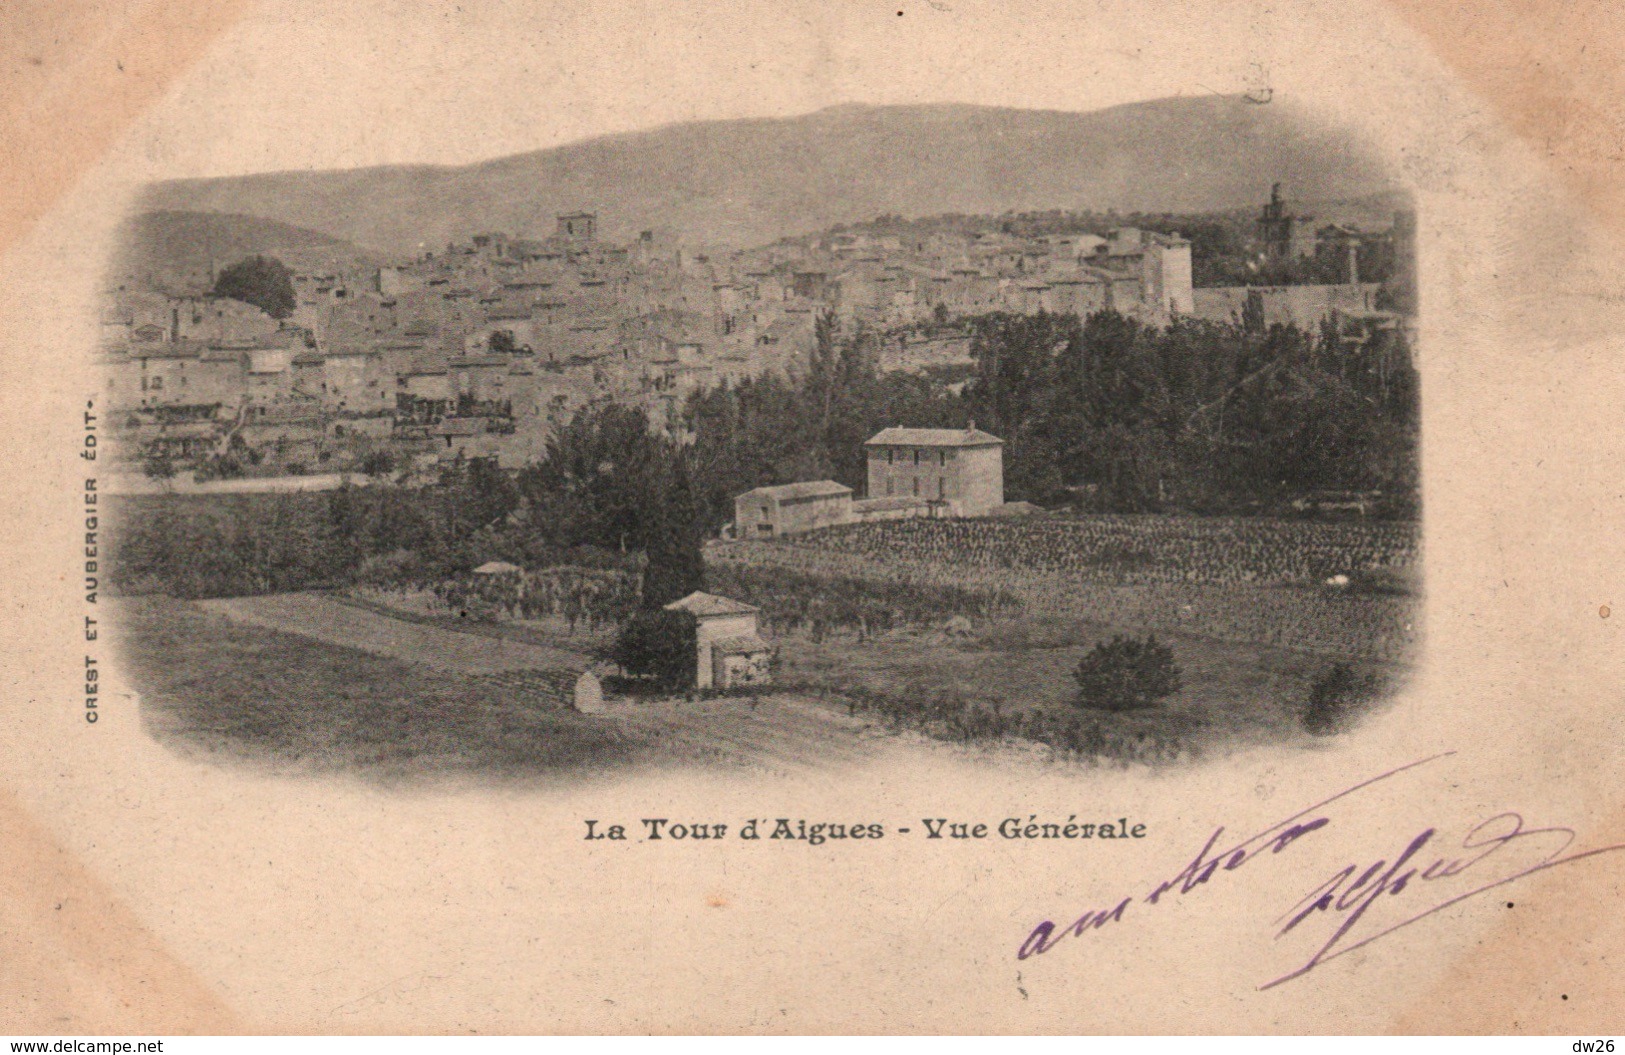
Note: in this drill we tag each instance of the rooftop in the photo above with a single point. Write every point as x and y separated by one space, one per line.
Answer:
702 604
804 489
901 437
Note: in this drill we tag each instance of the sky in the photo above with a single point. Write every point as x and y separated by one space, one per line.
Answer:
300 84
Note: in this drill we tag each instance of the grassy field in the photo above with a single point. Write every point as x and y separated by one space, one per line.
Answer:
1234 695
223 689
226 691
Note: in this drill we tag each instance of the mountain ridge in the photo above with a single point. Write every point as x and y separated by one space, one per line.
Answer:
749 181
187 245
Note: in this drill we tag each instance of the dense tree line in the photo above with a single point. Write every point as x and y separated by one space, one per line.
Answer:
609 492
227 545
1104 412
608 480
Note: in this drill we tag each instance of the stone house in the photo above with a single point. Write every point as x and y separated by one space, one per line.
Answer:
729 653
959 472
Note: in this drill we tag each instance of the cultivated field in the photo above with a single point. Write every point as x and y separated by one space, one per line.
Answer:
1137 549
1245 605
1260 582
967 631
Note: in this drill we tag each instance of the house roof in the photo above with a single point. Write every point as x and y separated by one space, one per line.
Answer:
701 605
743 645
901 437
804 489
497 567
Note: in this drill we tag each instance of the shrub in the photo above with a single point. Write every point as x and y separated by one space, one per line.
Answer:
1126 673
378 464
158 467
262 281
658 645
1337 698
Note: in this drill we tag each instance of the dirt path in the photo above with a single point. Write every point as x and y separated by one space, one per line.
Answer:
321 617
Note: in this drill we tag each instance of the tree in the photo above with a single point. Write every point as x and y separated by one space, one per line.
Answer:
658 645
502 341
158 466
676 566
599 481
1127 673
1252 312
262 281
378 464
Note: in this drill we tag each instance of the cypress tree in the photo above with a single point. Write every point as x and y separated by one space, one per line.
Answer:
676 566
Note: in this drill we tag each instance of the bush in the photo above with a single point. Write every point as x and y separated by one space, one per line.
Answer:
158 467
1127 673
659 645
262 281
1337 698
378 464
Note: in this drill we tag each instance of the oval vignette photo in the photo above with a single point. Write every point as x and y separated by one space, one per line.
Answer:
768 444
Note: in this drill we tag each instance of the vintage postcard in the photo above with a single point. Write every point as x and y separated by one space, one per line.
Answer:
742 518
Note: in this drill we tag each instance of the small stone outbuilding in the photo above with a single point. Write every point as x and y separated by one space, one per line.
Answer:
728 650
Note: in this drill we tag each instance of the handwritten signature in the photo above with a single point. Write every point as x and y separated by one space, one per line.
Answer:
1494 853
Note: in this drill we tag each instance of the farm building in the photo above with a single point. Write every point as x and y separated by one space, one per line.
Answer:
960 471
728 651
790 509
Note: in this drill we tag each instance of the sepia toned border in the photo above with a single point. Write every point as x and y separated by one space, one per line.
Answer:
143 894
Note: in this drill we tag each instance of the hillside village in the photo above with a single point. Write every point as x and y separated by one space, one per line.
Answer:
482 349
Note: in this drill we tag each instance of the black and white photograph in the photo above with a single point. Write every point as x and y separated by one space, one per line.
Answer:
536 518
1091 436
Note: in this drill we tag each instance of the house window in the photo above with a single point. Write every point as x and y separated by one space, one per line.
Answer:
157 383
942 487
916 458
944 458
888 488
916 487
